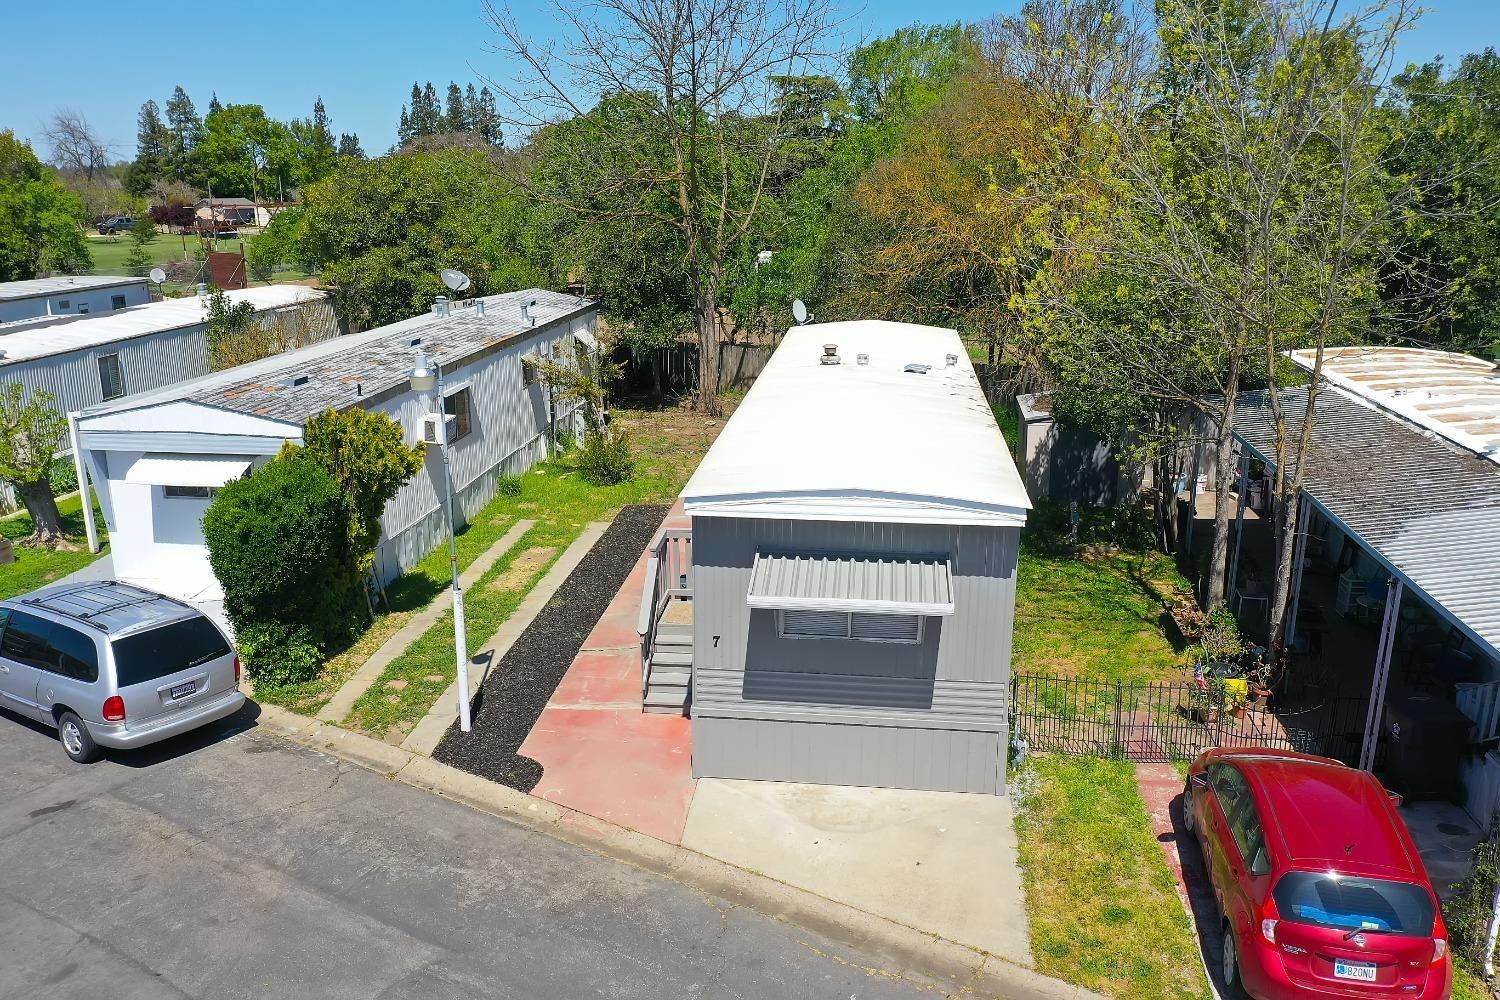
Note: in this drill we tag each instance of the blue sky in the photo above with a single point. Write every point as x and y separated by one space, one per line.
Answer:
104 57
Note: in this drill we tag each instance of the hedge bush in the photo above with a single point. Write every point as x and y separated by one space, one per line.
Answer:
605 459
278 542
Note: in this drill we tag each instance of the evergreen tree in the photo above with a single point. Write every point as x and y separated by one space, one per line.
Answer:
213 103
349 143
316 149
185 130
403 130
489 119
456 118
431 122
152 142
473 112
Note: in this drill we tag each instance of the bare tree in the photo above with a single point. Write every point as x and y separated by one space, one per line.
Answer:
75 146
694 127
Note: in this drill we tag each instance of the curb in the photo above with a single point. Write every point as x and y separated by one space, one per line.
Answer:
430 729
342 702
913 951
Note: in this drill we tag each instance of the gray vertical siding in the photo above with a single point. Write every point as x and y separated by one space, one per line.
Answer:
146 363
929 715
509 435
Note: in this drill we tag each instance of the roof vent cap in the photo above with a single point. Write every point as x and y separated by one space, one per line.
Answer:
830 355
917 369
861 359
952 360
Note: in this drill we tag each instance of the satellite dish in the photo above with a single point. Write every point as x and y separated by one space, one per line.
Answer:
455 280
799 311
157 275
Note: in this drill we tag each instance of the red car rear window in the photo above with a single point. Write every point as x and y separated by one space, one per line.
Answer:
1346 903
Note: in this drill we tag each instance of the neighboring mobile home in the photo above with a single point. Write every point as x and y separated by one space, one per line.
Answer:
156 459
855 530
70 295
83 361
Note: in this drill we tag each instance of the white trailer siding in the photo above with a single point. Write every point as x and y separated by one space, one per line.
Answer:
67 296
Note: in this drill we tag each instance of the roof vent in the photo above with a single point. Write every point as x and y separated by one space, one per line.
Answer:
918 369
830 355
479 307
440 306
528 312
292 381
952 360
861 359
414 342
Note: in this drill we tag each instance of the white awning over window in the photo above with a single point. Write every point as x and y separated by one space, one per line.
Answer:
875 584
157 468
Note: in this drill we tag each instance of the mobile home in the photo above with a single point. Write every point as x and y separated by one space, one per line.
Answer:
70 295
855 530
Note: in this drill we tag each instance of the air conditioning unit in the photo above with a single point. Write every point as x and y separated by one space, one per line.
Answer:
430 432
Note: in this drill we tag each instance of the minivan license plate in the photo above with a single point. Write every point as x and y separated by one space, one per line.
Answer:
1362 971
188 687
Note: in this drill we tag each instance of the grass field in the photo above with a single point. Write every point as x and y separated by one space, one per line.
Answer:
667 444
36 567
1101 900
109 252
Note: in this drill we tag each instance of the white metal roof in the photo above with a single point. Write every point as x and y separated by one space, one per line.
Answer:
63 283
46 336
157 468
863 442
1453 395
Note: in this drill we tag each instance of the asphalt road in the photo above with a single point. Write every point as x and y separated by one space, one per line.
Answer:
238 865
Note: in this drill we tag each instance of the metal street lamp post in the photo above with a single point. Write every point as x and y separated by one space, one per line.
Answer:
427 376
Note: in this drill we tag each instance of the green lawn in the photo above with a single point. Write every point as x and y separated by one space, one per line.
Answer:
1095 611
1102 903
667 444
109 252
36 567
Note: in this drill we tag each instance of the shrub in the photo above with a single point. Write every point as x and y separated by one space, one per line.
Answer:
605 459
63 476
278 542
509 485
277 654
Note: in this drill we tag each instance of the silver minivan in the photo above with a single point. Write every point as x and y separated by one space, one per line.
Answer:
109 664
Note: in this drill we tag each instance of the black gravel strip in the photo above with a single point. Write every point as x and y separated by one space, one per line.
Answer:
518 688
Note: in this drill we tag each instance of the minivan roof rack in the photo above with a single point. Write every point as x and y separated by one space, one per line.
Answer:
87 617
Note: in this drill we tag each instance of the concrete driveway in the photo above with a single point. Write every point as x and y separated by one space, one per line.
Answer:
942 862
234 864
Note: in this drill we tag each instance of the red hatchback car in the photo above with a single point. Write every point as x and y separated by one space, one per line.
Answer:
1320 888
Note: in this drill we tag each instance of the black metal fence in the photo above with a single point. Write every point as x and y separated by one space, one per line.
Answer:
1161 722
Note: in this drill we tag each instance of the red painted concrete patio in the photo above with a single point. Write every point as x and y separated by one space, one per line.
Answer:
601 754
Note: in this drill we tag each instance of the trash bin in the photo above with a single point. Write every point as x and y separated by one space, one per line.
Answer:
1425 739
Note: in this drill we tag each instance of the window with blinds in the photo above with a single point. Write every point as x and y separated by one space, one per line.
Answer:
845 625
111 379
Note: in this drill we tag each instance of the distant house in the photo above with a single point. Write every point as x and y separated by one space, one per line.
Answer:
851 571
69 295
156 459
85 360
231 212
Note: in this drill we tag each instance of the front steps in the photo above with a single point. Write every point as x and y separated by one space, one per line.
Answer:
669 674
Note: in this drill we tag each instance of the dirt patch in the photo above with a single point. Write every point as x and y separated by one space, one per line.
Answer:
523 567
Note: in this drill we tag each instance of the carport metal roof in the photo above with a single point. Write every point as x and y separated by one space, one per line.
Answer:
1428 510
878 584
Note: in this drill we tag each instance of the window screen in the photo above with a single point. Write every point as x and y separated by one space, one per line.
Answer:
887 628
815 624
456 405
117 302
187 492
843 625
111 379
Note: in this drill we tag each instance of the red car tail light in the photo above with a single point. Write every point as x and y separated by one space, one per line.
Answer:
114 709
1268 929
236 669
1439 950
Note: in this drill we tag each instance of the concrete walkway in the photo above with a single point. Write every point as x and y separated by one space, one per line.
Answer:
424 738
369 672
602 755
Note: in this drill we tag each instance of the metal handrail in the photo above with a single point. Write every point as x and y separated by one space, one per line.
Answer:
668 574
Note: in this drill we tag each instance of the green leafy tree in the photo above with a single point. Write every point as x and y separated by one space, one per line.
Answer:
40 220
32 432
229 326
1450 131
315 149
366 454
381 229
246 154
